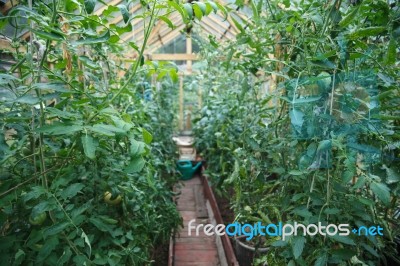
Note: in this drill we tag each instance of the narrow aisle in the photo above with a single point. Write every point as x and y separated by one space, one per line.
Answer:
194 250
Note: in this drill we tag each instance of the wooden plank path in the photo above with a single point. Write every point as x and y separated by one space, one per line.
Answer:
194 250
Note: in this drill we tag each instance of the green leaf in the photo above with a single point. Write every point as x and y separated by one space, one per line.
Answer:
49 245
331 211
366 32
279 243
56 229
298 246
54 36
72 5
197 12
107 130
178 8
302 211
347 175
92 40
324 145
297 119
119 123
5 79
19 257
137 148
302 100
168 21
81 209
71 190
349 17
391 52
34 193
209 8
365 201
110 9
381 191
124 12
54 112
55 86
147 137
28 99
87 241
343 239
114 38
360 182
188 10
223 10
89 146
321 260
136 165
59 129
324 64
370 249
202 7
213 5
108 219
101 225
343 254
88 62
297 172
89 6
255 11
392 175
43 206
65 257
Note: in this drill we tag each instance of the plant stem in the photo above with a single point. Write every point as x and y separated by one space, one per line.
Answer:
137 64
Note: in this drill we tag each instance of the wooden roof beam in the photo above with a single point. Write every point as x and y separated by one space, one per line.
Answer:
231 24
131 34
210 30
206 22
161 23
166 39
7 6
167 29
5 44
167 36
229 19
172 57
173 19
216 21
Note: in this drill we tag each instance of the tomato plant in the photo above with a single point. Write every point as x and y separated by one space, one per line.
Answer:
301 123
81 125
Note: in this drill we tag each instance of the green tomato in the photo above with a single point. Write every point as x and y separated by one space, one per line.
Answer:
26 151
38 219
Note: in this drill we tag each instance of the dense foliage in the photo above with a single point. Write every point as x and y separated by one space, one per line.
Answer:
319 142
86 154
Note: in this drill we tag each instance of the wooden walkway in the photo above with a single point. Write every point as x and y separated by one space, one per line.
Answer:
194 250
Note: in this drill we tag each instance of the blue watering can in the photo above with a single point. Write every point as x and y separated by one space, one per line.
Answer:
186 168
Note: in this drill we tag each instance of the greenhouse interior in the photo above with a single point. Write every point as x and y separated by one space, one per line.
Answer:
200 133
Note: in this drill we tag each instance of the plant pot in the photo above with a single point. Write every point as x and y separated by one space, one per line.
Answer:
246 253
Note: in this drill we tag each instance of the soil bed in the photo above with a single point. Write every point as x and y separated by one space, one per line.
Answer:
160 254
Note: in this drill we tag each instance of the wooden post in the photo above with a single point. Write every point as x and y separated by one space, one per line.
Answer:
200 95
181 118
188 126
189 51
